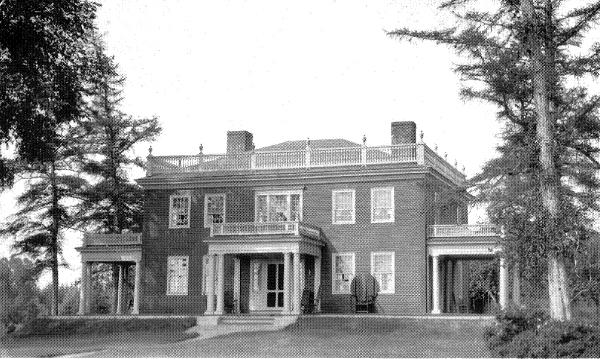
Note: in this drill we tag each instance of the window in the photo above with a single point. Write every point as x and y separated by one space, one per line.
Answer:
214 209
342 203
177 275
382 205
383 270
179 211
278 206
342 272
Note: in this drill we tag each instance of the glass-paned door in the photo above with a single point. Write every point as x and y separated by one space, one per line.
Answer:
275 285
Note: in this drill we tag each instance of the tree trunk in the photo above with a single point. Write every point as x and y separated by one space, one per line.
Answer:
543 70
54 239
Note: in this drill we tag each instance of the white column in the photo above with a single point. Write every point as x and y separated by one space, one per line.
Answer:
297 294
220 286
236 284
83 288
287 263
119 309
210 286
136 288
436 285
516 285
503 282
317 282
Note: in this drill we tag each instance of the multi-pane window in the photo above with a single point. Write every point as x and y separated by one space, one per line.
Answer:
382 205
214 209
342 206
177 275
383 270
342 272
278 206
179 211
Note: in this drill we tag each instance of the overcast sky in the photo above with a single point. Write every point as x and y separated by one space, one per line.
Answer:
286 70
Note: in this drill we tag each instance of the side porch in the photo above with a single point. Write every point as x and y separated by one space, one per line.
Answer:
456 253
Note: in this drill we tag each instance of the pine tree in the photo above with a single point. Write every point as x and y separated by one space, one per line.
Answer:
113 202
526 57
48 206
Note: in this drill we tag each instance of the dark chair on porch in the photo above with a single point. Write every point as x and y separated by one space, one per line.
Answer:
231 305
364 289
310 302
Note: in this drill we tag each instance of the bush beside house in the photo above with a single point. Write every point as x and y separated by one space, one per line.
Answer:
518 333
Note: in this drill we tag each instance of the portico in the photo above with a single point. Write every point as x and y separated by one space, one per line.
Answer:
274 276
446 243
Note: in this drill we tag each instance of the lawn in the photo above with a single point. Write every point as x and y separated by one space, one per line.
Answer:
336 337
46 337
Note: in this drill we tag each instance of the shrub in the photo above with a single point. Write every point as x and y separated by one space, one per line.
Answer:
509 324
521 334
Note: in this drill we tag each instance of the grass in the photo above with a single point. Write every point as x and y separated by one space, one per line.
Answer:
338 337
46 337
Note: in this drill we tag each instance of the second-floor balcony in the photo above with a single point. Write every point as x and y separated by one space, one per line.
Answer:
111 239
264 228
417 153
462 231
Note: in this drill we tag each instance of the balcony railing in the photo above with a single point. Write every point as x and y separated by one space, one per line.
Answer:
307 158
105 239
254 228
463 230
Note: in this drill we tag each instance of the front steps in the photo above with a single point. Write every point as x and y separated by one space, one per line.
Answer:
214 325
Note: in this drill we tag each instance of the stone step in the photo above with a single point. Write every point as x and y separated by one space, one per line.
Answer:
247 320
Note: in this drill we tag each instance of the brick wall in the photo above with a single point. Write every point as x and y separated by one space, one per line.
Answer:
406 237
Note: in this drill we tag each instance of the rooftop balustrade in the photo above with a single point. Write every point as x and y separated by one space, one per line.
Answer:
265 228
417 153
111 239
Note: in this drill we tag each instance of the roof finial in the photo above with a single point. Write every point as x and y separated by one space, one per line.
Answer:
446 156
456 163
149 151
200 149
308 142
421 135
364 140
436 147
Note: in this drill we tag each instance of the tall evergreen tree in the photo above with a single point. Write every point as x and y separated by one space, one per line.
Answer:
43 61
49 203
526 57
113 203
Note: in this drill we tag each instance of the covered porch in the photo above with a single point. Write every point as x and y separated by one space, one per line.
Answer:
274 268
121 250
452 250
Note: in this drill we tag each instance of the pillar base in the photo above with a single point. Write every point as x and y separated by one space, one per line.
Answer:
436 311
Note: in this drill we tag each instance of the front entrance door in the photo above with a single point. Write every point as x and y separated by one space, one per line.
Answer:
275 294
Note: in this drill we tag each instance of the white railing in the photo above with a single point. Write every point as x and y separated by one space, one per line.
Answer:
253 228
309 157
106 239
463 230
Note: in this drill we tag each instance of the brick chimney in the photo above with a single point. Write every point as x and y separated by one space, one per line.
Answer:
239 141
404 132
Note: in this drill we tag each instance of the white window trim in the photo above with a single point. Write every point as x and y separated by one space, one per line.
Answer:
333 270
392 289
187 275
333 193
224 195
172 224
393 217
288 193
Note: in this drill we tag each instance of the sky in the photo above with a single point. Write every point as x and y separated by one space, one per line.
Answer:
286 70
